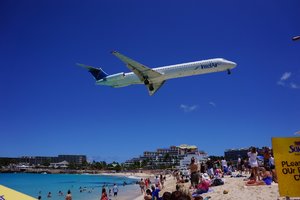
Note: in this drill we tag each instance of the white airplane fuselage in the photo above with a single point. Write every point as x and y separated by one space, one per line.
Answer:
169 72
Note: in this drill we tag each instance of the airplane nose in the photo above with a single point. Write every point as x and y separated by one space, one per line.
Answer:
233 64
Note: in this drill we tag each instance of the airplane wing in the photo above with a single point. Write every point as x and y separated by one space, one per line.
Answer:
145 74
139 69
155 86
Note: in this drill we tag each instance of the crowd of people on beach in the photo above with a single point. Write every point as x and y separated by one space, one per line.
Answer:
203 176
261 174
199 177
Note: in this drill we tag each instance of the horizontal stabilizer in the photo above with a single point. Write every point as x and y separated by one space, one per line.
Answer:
98 73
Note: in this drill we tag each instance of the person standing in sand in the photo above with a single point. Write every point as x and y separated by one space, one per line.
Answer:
115 190
267 155
224 165
142 186
252 154
210 169
146 183
202 168
272 168
161 181
69 196
104 195
155 192
194 173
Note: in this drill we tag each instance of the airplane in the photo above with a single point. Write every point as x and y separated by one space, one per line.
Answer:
296 38
154 78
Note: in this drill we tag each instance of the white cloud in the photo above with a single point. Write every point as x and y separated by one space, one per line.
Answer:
285 76
187 108
294 86
213 104
286 82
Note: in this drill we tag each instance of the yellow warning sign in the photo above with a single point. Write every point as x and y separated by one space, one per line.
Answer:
287 165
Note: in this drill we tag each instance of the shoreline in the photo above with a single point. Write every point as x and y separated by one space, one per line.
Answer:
93 192
139 173
235 186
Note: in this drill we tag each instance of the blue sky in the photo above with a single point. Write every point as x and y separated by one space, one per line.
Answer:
50 106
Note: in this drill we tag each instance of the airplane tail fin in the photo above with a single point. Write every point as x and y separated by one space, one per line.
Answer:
98 73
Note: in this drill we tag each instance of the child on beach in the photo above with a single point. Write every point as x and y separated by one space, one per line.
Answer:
109 191
104 195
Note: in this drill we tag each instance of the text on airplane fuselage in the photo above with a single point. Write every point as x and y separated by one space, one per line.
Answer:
210 65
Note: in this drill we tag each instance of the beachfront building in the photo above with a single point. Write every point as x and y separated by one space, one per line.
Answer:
199 157
46 160
75 159
22 167
185 149
64 164
164 157
234 154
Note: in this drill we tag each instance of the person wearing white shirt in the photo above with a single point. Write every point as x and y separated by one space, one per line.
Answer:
252 154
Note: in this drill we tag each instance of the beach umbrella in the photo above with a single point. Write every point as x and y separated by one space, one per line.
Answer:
7 194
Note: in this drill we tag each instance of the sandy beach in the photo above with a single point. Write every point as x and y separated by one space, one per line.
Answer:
236 190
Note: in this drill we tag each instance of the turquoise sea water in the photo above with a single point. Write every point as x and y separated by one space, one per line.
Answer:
40 184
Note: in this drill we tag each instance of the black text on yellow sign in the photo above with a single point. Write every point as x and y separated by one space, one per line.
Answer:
287 165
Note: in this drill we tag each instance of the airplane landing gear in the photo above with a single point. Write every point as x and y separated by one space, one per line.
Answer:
151 88
228 71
